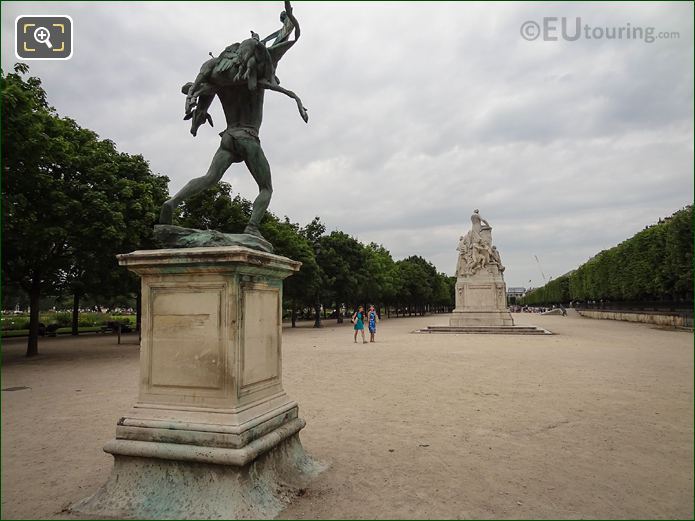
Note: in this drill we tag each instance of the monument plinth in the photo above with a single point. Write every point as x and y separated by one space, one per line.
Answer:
213 433
481 299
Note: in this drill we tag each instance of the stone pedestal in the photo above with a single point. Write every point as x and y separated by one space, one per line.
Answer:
213 434
481 299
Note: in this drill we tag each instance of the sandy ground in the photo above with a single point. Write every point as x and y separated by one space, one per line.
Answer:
593 422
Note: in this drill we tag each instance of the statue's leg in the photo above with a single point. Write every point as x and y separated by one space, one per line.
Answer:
260 170
221 161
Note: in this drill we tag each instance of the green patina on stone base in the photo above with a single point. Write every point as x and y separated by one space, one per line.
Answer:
156 488
169 236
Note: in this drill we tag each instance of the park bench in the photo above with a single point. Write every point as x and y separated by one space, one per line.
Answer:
52 329
113 326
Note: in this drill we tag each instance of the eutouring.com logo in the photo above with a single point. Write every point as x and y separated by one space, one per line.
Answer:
553 28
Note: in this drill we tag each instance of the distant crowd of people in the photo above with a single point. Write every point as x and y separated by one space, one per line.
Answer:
537 309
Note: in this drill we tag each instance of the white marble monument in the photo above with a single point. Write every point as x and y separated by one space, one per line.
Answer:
481 294
213 433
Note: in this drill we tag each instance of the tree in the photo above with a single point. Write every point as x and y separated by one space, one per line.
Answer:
215 209
443 292
380 276
287 240
71 201
313 232
342 259
121 199
417 283
37 215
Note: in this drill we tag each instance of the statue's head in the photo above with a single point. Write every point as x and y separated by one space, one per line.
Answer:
283 16
476 211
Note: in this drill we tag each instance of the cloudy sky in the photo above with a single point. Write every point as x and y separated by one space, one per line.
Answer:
419 113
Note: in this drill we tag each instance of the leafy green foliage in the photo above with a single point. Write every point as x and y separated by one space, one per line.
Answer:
215 209
655 264
71 202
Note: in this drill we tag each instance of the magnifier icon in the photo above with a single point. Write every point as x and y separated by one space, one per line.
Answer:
42 35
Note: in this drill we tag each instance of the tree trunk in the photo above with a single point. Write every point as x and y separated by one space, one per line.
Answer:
34 296
294 316
317 312
75 313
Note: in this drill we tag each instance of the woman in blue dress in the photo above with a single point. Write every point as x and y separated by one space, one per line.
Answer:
358 320
373 319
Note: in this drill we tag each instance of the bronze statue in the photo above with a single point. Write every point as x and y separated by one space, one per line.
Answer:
239 77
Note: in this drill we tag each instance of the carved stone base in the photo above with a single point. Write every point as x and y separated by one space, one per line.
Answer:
193 483
484 330
481 318
481 300
213 433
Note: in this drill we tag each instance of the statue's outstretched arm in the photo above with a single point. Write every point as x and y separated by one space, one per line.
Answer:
302 109
288 12
271 36
278 50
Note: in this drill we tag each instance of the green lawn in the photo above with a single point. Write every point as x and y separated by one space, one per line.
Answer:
59 331
17 325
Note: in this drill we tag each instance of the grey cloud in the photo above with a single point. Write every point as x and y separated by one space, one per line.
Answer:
419 112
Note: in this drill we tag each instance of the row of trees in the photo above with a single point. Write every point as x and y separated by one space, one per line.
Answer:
72 201
654 265
337 270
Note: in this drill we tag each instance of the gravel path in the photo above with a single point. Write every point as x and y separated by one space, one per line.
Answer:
593 422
